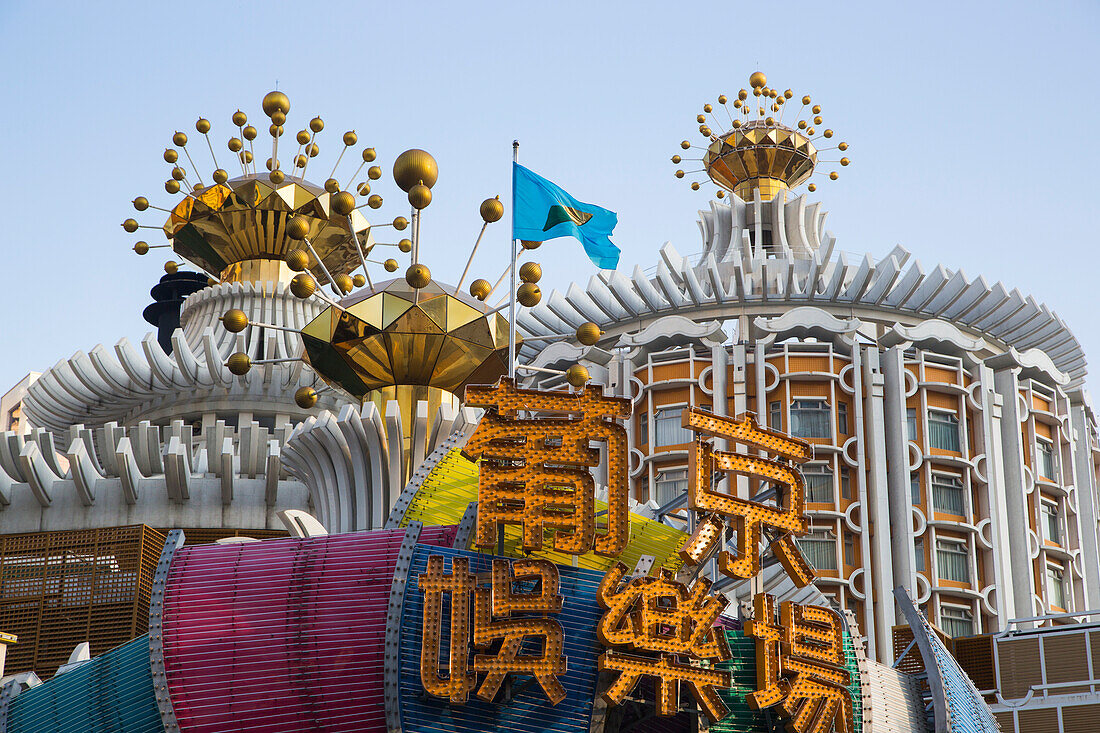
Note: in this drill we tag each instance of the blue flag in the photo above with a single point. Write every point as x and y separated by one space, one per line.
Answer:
541 210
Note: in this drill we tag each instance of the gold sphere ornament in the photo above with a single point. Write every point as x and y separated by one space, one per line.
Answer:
707 108
400 223
758 79
375 201
802 124
817 120
491 210
722 99
297 259
530 272
844 161
350 138
685 144
704 131
721 194
358 280
374 173
275 102
701 118
198 188
788 94
180 139
343 203
141 203
769 121
737 123
828 133
390 265
235 145
405 245
172 186
235 320
676 159
576 375
303 285
810 130
272 164
363 189
833 176
276 176
812 187
297 228
305 397
369 155
529 244
420 196
816 110
142 248
332 185
171 267
588 333
277 120
316 124
418 275
170 156
695 186
314 150
303 137
343 283
480 288
275 130
679 174
529 295
130 225
742 95
246 156
250 133
239 363
415 167
220 176
202 125
239 118
843 146
179 173
300 161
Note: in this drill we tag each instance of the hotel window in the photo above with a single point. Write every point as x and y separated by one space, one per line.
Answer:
956 621
1052 522
775 415
643 488
1045 465
943 430
810 419
819 549
953 560
668 429
845 483
849 550
842 417
911 423
948 494
643 431
914 488
819 483
1056 586
918 552
671 484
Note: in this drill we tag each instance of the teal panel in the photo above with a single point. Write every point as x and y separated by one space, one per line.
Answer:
113 693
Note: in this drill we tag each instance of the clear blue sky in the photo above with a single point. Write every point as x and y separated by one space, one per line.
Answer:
971 126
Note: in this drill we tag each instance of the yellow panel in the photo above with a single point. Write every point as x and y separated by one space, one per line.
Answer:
943 401
392 308
369 310
452 485
321 326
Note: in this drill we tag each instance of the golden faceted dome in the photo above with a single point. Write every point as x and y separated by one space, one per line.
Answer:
399 335
413 167
758 155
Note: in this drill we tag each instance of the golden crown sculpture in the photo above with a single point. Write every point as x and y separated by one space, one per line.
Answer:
758 151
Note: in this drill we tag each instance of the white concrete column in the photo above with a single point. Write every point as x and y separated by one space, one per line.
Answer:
1086 495
876 636
1000 535
878 507
897 477
719 371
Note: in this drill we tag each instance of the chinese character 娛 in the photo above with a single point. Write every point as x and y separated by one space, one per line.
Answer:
749 519
661 616
535 471
500 614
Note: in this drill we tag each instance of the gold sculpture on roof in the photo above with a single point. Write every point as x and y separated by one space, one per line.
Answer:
759 151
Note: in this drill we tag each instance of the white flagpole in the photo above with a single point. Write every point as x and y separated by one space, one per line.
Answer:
512 297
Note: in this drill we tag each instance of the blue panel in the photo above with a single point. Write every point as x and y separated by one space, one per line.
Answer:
967 711
113 692
529 711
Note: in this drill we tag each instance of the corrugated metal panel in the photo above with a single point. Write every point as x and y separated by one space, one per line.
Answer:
1007 722
1042 721
1018 666
808 363
112 693
529 711
1081 718
1043 430
935 374
975 655
1066 660
283 634
452 485
809 389
942 400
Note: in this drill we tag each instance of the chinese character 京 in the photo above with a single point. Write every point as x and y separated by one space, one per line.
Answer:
500 614
799 666
749 519
535 471
663 617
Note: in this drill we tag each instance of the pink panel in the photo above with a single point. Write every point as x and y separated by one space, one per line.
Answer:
282 634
